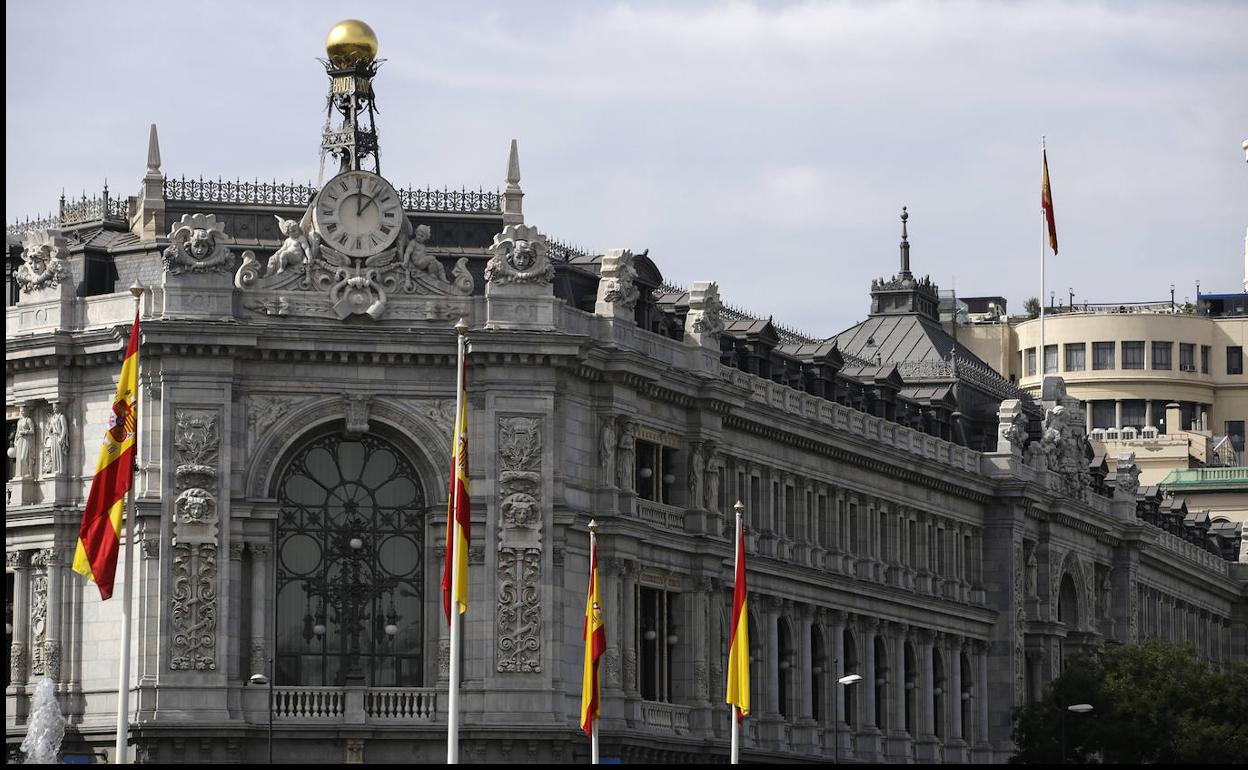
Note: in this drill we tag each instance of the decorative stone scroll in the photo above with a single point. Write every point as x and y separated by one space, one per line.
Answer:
519 612
198 245
519 257
45 261
197 444
703 323
1011 427
617 290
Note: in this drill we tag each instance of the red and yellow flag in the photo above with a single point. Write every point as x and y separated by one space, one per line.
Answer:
458 518
1046 203
99 537
595 636
739 637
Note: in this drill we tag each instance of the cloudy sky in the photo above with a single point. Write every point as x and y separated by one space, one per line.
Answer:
769 146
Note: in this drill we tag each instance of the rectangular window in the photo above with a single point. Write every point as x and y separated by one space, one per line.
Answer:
1075 357
1133 414
1234 430
912 538
1050 358
1031 362
1102 355
1235 360
1161 354
1133 355
1205 354
1103 415
1187 357
655 621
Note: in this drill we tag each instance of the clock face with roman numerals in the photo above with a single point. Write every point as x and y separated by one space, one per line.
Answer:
358 213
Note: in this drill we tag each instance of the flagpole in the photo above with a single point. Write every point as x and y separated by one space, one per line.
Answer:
736 558
593 725
452 719
120 748
1044 226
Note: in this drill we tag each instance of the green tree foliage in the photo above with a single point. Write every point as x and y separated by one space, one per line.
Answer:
1032 307
1152 703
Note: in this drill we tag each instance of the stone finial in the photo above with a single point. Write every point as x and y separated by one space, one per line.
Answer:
513 196
153 152
703 323
905 245
617 292
1011 427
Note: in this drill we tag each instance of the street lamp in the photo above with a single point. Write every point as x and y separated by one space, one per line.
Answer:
260 680
1078 708
844 681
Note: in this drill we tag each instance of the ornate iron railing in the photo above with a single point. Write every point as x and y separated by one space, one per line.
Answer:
560 251
451 201
224 191
730 313
96 208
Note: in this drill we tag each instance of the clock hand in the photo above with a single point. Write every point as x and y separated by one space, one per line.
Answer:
359 206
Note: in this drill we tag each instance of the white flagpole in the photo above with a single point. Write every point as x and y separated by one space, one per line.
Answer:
1044 230
732 710
120 747
452 718
593 725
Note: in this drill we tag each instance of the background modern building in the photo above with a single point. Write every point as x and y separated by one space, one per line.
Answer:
913 517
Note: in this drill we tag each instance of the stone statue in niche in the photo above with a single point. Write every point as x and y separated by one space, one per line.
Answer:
697 462
24 445
626 456
607 450
198 244
44 260
300 247
55 442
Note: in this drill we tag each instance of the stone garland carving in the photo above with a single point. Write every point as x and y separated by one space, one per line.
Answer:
45 262
353 285
611 666
1020 627
519 612
264 411
193 637
24 444
38 616
55 441
444 655
198 245
18 656
519 257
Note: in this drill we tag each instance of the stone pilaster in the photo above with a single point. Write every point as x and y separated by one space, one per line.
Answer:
19 655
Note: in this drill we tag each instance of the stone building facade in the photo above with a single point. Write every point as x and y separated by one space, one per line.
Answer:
295 419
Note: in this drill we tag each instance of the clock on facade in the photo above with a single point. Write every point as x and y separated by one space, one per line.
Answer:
358 213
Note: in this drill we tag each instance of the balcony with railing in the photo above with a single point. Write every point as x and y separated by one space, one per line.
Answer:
354 705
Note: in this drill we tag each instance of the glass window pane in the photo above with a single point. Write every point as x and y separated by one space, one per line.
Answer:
1133 354
1102 355
1161 354
1050 358
1075 361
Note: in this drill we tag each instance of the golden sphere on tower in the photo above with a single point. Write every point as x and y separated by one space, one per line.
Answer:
351 42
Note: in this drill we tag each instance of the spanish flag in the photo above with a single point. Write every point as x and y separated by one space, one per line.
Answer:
739 637
1046 203
595 636
99 537
458 518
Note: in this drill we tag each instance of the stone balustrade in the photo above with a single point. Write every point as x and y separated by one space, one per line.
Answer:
665 716
660 515
343 704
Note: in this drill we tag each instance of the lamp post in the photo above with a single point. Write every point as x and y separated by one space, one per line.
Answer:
1078 708
844 681
259 680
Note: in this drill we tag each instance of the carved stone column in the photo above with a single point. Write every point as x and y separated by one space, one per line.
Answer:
981 691
48 652
261 567
19 655
772 655
900 675
835 705
926 722
953 696
869 732
628 627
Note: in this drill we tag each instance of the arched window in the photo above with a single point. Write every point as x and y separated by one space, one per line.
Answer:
1068 602
850 707
350 565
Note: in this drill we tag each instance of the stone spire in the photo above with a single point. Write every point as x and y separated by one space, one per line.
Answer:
153 152
905 247
513 196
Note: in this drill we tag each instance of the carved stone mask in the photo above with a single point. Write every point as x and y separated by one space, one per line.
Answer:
523 257
200 244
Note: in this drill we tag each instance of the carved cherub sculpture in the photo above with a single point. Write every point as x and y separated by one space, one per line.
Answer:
417 259
298 249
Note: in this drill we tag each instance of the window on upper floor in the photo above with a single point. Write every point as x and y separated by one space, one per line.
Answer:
1235 360
1161 354
1133 354
1205 354
1031 362
656 467
1187 357
1050 358
656 616
1075 357
1102 355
